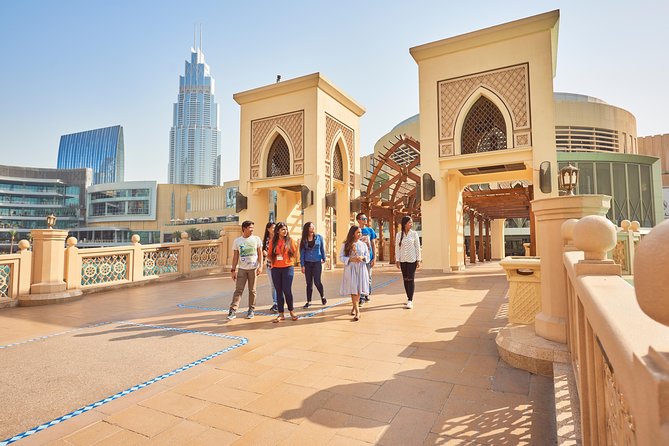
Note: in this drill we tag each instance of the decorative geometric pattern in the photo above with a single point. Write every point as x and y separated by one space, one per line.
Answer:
522 139
525 303
161 262
5 280
292 124
299 167
446 148
104 269
619 255
204 257
338 164
332 126
484 129
511 85
278 159
620 426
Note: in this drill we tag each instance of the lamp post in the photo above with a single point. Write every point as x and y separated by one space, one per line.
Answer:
568 178
51 221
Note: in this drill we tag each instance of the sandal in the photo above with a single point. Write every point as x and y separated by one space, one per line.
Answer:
278 319
293 316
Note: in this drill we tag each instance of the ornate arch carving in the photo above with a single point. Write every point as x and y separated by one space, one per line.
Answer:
291 126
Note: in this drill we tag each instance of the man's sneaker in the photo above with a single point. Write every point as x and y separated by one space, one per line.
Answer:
250 314
366 298
361 303
274 309
307 305
231 315
324 300
408 305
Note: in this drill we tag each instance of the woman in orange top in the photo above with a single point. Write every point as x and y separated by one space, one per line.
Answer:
282 250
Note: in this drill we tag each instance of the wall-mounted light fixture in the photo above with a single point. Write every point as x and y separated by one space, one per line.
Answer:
428 189
545 177
241 202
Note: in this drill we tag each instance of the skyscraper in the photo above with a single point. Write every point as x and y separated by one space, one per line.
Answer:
101 150
195 138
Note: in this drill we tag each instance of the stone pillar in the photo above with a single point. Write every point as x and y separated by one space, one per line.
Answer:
472 238
48 261
481 247
497 243
549 214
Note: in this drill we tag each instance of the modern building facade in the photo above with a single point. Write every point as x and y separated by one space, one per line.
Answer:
28 195
195 137
101 150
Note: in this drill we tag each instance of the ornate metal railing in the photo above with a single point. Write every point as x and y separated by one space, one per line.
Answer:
104 269
204 256
5 281
160 261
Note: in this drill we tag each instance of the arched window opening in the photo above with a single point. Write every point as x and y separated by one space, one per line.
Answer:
278 159
337 164
484 129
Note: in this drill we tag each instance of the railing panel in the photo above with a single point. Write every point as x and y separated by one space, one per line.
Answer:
105 269
161 261
6 281
204 257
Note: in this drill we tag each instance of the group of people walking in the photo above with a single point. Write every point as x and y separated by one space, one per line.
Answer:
277 252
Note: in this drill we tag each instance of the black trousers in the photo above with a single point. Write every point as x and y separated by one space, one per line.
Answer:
312 272
408 274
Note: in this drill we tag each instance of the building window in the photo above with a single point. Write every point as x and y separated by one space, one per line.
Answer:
337 164
484 129
278 159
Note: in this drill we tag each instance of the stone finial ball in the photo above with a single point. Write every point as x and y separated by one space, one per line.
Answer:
651 265
567 229
595 236
71 241
184 236
635 226
625 225
23 245
135 238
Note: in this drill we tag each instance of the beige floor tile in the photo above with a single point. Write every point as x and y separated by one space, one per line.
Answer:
291 403
175 404
178 434
363 429
245 367
124 438
283 362
227 419
416 393
221 393
262 384
142 420
268 433
338 440
410 426
361 407
201 382
93 433
212 437
59 442
444 440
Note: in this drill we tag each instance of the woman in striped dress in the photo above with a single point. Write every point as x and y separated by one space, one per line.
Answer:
355 255
407 249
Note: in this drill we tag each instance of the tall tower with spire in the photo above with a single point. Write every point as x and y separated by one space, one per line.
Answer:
195 136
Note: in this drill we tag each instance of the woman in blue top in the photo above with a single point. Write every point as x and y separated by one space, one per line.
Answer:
312 257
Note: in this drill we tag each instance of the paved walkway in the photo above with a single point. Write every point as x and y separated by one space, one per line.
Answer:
429 376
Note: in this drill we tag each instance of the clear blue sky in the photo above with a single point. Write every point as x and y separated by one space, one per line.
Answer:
69 66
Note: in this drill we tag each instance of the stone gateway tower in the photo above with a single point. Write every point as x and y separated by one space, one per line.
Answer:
299 142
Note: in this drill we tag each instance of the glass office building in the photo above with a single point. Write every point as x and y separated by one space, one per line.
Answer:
195 137
28 195
101 150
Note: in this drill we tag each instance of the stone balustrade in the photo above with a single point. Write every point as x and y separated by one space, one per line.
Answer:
95 268
618 339
629 235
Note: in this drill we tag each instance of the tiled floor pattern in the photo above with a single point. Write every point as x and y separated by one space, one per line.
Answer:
430 375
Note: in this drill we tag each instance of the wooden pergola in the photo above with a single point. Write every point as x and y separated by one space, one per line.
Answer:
393 189
486 205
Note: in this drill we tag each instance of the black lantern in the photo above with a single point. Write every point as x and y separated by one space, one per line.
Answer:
568 178
50 221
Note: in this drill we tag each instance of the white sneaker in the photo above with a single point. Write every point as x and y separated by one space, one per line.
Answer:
408 305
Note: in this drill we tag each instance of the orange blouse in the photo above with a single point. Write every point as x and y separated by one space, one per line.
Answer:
287 260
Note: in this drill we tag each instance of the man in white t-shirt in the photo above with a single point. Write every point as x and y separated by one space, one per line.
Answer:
247 251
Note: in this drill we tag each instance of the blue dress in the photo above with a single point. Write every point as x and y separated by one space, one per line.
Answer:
356 275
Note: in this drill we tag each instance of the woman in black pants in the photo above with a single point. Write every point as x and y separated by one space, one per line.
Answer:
407 251
312 257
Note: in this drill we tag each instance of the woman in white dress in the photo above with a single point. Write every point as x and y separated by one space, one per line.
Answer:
355 255
407 247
